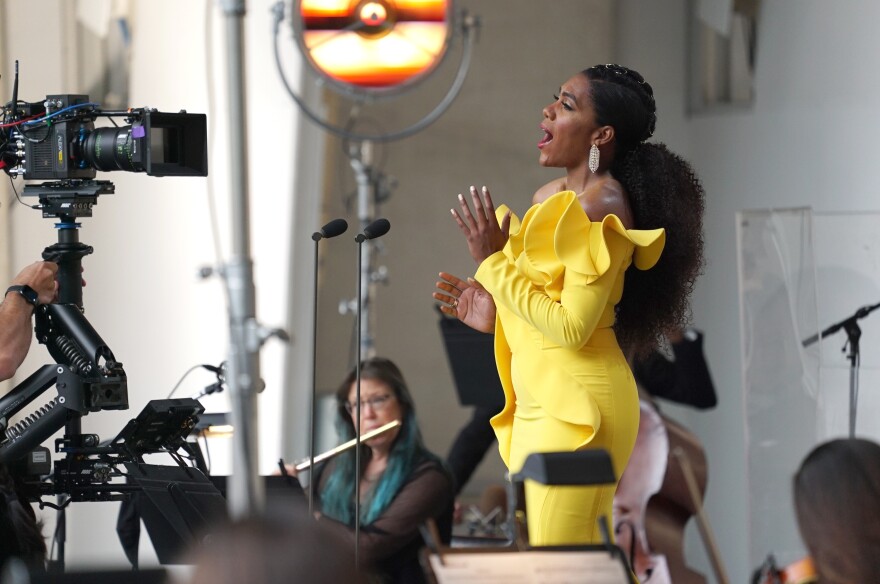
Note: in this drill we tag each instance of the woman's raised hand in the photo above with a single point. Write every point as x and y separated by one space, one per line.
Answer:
484 235
467 301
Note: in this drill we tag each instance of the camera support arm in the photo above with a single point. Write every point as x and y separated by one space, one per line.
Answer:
30 432
87 377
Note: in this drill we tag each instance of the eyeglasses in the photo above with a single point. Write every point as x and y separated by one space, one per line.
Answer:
377 404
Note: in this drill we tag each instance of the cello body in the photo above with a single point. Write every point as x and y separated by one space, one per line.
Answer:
642 478
652 504
672 507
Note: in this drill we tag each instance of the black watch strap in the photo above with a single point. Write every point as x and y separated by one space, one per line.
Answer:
29 294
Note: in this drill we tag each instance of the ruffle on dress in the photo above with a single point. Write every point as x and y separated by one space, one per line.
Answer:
577 243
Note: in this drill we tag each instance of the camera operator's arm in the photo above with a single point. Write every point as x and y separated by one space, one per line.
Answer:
16 311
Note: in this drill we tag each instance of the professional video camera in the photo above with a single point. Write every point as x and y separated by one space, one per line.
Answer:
57 140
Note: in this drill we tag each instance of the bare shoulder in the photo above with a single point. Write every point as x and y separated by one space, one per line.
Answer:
548 190
608 198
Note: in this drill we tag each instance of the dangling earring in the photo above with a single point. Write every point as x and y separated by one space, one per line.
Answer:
593 164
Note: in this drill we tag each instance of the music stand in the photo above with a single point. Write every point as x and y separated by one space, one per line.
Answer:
281 491
179 506
592 564
471 356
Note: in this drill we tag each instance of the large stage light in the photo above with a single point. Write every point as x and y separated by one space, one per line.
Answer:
369 49
373 47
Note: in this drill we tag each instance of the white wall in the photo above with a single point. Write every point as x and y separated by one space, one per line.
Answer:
150 238
808 140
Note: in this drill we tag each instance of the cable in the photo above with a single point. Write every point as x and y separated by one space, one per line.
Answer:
19 122
15 190
179 381
61 111
219 371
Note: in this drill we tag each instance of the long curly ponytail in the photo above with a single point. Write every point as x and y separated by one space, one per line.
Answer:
663 191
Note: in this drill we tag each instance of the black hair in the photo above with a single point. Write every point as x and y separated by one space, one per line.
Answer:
663 191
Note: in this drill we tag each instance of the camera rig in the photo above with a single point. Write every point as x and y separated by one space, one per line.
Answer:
56 139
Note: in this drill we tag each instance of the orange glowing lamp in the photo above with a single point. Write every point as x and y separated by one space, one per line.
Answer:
373 47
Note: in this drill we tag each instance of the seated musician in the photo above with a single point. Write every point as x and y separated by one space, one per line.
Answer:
837 502
401 483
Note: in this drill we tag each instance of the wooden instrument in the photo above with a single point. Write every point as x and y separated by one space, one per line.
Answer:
670 509
661 488
642 478
304 464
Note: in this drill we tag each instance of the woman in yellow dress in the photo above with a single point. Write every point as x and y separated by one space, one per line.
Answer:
555 289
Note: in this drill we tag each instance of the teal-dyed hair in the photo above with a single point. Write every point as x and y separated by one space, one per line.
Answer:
407 452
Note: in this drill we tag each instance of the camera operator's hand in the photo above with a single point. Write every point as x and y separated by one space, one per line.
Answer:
17 309
41 277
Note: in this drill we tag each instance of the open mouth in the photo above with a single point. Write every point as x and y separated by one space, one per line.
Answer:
546 138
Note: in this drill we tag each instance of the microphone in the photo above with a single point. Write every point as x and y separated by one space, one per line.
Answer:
332 229
376 229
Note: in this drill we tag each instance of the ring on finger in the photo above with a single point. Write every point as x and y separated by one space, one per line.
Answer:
455 303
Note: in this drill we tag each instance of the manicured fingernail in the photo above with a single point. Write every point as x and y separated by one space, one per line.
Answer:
473 189
460 197
485 189
452 211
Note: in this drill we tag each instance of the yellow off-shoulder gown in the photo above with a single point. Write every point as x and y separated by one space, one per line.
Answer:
566 382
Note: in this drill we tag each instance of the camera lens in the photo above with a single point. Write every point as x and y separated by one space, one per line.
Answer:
110 149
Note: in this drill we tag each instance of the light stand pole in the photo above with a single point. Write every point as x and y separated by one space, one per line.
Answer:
367 197
365 175
246 495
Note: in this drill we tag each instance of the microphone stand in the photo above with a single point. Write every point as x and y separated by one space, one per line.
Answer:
316 237
377 228
853 334
357 428
332 229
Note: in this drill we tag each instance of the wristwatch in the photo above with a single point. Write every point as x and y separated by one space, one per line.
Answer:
29 294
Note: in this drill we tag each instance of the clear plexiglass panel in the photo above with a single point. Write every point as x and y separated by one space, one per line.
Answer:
801 272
